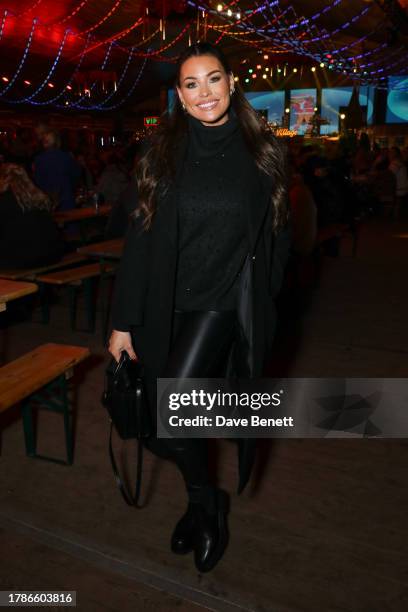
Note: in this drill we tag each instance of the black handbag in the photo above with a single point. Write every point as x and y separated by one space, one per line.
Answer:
124 399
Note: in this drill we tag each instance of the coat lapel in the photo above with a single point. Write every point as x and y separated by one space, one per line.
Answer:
258 204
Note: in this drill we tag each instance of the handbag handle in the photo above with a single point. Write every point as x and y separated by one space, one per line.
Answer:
130 499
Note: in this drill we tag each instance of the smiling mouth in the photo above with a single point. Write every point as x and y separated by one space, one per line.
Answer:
207 105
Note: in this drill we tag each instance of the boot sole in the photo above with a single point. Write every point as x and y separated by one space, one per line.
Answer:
185 551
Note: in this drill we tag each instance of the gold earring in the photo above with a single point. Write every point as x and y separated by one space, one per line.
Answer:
184 107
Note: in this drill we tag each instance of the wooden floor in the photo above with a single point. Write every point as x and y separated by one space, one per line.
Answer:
322 528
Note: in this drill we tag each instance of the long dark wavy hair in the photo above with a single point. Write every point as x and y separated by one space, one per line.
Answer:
156 168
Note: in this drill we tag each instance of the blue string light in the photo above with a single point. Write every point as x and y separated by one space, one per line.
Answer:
49 75
339 29
131 90
128 94
22 62
283 35
69 82
92 87
119 83
315 16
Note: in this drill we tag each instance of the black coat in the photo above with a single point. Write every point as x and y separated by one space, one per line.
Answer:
145 288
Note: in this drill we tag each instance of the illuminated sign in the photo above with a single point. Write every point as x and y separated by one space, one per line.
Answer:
285 132
151 121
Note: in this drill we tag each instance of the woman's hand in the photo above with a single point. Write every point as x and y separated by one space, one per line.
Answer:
121 341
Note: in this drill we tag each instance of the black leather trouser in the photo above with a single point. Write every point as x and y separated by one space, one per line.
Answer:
201 341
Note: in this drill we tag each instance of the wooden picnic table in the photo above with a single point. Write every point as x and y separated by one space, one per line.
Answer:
108 249
81 214
11 290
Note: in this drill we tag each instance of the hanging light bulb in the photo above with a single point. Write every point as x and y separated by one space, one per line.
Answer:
229 13
247 80
313 69
264 76
266 56
295 70
5 79
321 64
259 67
236 78
238 15
219 8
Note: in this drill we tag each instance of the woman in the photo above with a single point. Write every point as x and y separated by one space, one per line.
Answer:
28 235
208 226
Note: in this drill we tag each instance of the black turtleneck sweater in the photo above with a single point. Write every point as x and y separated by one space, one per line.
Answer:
214 193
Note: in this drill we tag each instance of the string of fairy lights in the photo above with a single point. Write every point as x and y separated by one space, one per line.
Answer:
270 28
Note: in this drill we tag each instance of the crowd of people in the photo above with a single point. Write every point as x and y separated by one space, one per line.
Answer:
62 170
330 183
338 184
38 176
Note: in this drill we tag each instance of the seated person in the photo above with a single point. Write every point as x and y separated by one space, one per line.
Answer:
29 236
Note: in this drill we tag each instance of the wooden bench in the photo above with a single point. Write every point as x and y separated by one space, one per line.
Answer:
39 379
11 290
74 278
32 273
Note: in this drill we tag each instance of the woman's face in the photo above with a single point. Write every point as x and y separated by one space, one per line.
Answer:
205 89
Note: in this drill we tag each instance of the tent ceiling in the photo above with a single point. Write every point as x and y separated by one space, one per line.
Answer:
368 37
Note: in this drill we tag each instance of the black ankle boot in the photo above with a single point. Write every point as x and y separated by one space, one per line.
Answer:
183 534
210 509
